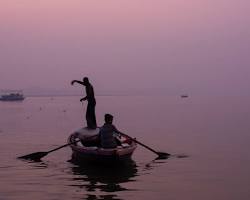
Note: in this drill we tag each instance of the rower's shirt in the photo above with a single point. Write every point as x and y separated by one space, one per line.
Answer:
107 136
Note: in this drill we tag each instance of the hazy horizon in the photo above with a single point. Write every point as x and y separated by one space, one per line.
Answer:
165 47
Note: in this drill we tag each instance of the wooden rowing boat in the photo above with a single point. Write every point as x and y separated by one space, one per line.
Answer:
88 149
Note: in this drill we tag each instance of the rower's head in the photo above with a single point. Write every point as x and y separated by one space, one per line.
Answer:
85 80
108 118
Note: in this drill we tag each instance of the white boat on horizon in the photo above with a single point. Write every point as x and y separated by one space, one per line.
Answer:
12 95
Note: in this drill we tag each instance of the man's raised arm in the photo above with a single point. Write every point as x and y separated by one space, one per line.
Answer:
76 81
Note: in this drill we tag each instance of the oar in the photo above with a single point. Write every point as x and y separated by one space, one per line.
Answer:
38 155
161 155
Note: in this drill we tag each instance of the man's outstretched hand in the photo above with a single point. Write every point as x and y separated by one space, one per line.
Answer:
72 82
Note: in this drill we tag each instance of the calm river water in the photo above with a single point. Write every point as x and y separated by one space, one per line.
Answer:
208 137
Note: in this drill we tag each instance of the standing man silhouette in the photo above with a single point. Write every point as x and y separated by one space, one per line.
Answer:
90 97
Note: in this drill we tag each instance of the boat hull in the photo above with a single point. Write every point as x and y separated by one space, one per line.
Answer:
81 153
110 159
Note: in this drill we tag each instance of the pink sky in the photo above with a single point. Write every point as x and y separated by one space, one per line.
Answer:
171 45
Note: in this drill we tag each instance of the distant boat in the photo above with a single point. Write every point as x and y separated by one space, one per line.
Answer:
12 95
184 96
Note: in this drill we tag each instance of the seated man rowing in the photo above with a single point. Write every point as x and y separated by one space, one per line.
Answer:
108 133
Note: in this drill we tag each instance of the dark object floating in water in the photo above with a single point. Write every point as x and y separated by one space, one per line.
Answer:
12 95
184 96
181 156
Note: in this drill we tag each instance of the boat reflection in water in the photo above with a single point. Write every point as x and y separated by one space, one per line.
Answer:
97 180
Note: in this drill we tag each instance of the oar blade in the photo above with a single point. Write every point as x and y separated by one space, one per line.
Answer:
34 156
162 155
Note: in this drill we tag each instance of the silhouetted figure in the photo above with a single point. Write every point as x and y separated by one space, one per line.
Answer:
108 133
90 97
